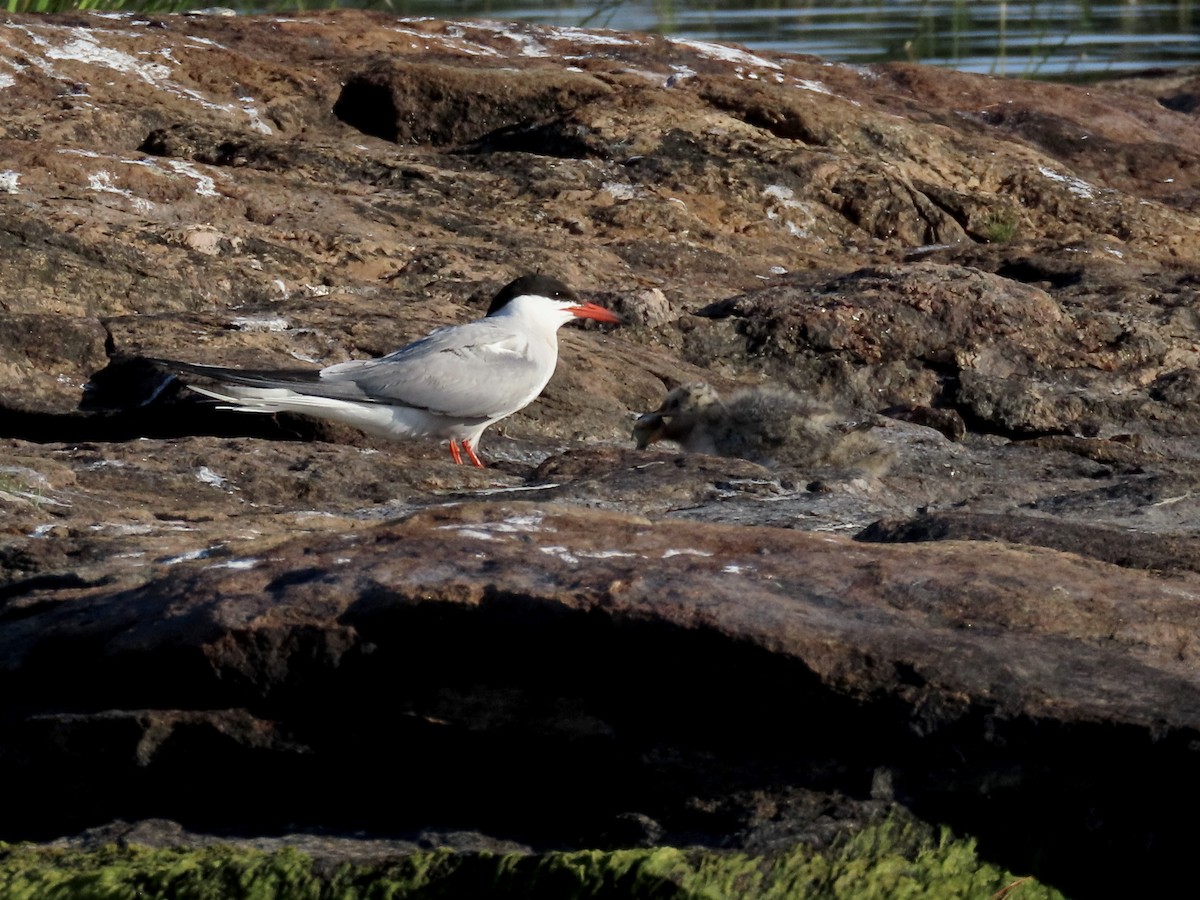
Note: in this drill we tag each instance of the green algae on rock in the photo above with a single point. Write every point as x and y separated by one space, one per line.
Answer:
892 860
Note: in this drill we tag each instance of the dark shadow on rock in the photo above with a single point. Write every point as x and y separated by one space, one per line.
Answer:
132 398
557 137
558 727
519 719
431 103
1037 271
235 149
1119 546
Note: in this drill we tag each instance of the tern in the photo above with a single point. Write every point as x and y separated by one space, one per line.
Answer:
451 384
764 424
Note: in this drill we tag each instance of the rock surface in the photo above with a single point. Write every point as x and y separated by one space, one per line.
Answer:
256 625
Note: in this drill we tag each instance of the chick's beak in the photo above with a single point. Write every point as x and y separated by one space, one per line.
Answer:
648 428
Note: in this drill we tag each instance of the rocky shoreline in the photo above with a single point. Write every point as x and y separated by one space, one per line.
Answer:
254 626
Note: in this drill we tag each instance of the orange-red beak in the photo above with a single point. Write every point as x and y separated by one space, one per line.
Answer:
592 311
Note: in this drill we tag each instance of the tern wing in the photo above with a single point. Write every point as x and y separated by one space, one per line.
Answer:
480 370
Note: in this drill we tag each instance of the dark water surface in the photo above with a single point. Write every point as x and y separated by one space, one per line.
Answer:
1032 39
1061 40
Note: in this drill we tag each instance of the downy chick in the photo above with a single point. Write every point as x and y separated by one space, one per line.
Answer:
766 425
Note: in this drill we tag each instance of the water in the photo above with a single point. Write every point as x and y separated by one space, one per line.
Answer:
1060 40
1033 39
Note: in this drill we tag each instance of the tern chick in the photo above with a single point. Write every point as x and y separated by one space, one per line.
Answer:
766 425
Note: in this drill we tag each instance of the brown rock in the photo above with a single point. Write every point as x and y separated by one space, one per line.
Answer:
463 610
188 593
1120 547
946 421
418 103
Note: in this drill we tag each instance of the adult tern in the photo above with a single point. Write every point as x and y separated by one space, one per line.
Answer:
451 384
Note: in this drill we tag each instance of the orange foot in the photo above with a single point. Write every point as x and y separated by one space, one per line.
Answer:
471 453
454 451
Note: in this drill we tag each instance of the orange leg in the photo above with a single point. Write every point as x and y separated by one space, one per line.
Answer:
454 452
471 453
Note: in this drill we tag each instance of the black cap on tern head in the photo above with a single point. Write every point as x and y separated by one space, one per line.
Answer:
541 285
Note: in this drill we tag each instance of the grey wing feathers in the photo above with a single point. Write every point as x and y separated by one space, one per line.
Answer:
477 370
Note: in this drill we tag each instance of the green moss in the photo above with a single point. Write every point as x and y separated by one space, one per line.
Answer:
1000 227
210 874
891 860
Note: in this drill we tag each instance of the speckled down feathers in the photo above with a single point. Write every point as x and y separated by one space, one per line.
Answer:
768 425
